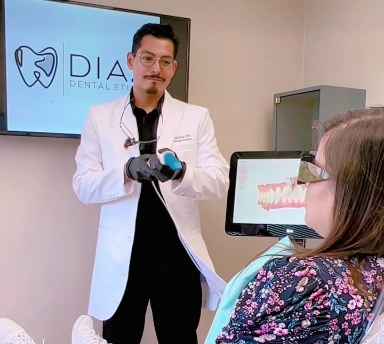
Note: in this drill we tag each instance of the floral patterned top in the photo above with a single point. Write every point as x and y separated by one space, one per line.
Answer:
304 300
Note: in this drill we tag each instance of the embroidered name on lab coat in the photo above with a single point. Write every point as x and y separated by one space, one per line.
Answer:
182 138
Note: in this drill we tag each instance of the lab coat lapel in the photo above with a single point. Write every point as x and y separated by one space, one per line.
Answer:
167 130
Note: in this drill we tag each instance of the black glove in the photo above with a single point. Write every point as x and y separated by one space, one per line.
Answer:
137 168
164 173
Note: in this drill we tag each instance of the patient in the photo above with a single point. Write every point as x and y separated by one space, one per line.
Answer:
326 295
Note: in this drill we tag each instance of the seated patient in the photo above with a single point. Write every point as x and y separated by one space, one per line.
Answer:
318 296
326 295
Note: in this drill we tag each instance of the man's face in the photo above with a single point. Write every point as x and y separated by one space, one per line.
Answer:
156 78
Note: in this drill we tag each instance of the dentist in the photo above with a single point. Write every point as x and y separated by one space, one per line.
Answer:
150 248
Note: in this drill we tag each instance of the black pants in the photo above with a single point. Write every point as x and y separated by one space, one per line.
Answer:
175 296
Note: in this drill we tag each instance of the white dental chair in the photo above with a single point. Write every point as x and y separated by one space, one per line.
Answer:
374 333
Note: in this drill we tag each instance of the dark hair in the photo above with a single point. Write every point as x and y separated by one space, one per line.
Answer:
354 158
162 31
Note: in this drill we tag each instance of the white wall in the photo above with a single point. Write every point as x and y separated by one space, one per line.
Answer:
242 52
344 45
47 238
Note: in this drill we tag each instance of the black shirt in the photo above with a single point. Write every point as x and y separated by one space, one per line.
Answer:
156 240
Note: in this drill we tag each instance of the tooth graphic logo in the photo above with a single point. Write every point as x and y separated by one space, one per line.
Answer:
36 67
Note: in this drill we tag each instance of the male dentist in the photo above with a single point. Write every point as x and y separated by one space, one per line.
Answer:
150 248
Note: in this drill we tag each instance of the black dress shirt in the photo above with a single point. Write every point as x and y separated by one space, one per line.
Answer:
156 242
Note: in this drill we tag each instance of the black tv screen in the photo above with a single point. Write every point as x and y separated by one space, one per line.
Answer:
57 58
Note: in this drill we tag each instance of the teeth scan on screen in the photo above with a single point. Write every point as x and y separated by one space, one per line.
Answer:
267 192
286 194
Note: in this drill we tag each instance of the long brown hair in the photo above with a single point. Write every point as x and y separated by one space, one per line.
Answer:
354 158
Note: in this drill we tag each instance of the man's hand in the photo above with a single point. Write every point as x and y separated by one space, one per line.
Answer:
137 168
163 172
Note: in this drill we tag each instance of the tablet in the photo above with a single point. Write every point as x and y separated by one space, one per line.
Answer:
264 198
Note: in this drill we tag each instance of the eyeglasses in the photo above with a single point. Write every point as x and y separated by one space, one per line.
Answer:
309 172
149 60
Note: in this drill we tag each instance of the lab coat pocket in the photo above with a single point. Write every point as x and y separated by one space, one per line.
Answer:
114 243
195 231
189 156
184 146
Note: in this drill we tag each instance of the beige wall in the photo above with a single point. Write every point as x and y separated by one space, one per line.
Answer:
242 52
344 45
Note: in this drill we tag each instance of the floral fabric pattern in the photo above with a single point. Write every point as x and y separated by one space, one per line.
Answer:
305 300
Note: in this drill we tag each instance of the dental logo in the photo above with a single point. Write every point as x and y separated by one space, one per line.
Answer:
36 67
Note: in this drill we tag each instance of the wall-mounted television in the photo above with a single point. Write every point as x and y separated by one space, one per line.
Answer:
57 58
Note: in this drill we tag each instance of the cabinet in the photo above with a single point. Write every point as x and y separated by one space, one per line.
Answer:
295 112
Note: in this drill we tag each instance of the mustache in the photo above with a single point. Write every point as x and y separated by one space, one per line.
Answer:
155 77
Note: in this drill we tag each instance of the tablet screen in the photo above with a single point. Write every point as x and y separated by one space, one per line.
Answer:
264 198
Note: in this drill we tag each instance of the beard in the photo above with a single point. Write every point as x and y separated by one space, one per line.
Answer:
152 90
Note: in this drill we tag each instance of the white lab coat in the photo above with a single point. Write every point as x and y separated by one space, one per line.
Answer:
186 129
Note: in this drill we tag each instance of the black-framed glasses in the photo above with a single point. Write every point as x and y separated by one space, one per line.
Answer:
149 60
309 172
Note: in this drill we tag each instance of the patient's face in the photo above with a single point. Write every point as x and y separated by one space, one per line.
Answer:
319 199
